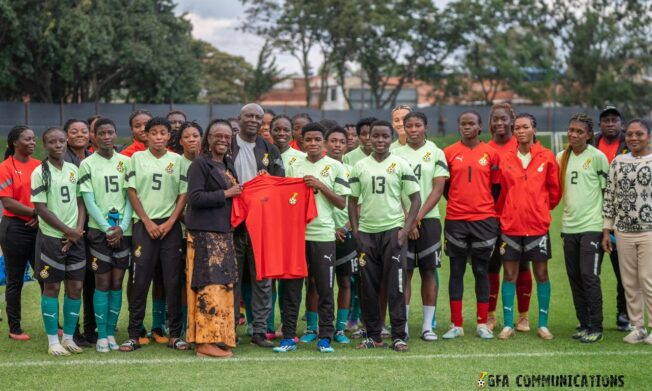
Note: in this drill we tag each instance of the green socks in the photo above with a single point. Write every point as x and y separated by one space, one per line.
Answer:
508 292
158 314
70 314
50 313
543 294
115 303
342 316
311 317
101 308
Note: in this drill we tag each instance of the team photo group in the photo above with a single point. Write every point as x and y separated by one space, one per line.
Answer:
231 223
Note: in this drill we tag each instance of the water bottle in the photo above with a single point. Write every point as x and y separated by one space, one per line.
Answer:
114 217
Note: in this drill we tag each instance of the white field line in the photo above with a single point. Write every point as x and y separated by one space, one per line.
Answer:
291 358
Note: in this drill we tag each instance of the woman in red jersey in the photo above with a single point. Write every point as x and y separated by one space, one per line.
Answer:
529 191
471 227
19 223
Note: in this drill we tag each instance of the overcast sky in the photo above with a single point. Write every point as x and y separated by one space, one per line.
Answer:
217 21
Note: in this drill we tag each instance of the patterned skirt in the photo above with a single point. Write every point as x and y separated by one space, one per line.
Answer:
210 307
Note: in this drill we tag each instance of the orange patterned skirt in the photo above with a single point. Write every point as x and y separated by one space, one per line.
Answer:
210 309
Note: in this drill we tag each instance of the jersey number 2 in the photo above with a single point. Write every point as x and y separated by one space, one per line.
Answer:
574 175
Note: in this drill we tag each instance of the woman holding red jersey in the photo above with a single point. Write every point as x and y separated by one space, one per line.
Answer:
529 191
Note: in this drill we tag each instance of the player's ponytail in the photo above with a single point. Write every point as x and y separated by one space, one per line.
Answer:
45 166
562 167
12 137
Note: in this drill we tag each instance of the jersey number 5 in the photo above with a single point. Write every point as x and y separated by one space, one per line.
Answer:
378 184
156 179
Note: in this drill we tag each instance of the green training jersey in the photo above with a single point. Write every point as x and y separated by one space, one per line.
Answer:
382 184
60 198
291 156
428 162
332 174
341 216
158 182
586 178
396 145
105 178
353 157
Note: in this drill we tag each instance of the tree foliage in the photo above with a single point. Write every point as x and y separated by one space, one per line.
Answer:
75 51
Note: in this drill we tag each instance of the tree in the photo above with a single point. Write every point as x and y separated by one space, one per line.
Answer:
223 76
289 26
501 50
606 48
77 51
264 76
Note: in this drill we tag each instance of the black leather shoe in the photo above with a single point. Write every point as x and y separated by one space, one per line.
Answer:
260 340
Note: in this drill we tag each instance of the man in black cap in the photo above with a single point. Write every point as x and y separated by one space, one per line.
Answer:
611 141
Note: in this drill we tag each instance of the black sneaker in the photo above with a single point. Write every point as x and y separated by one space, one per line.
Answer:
260 340
622 322
81 341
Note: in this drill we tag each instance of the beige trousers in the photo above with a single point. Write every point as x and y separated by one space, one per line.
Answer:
635 259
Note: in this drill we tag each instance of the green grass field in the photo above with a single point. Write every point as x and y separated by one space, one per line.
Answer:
450 365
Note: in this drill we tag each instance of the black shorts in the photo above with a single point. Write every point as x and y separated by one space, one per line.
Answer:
425 252
525 248
346 257
103 258
471 238
53 265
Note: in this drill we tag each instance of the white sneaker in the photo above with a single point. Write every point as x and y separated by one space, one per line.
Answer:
113 344
637 335
71 346
453 333
384 333
102 346
57 350
483 332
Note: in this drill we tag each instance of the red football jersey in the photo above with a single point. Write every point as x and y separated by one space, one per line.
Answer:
136 146
472 172
276 211
15 182
508 147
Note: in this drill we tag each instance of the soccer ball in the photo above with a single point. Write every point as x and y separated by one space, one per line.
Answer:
481 383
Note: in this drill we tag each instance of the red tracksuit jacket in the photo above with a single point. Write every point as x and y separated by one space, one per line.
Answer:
528 195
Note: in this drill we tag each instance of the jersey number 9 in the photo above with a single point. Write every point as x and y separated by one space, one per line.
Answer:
65 195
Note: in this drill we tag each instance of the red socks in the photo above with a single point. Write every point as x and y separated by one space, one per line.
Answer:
494 288
523 290
482 312
456 312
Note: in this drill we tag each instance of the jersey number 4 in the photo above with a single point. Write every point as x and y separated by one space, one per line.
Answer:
378 184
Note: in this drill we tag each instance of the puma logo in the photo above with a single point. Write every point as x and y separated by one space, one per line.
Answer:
49 315
101 317
460 158
397 258
114 312
74 313
595 244
508 309
543 311
329 257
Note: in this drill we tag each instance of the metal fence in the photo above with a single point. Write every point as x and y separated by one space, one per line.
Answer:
442 119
